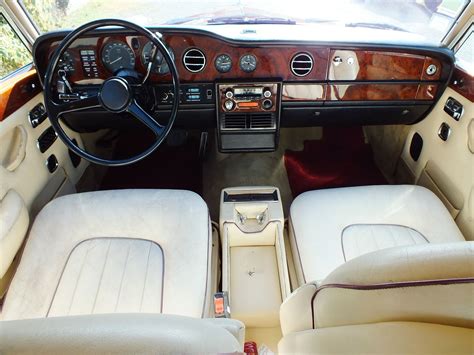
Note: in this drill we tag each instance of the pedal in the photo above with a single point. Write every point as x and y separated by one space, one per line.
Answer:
203 145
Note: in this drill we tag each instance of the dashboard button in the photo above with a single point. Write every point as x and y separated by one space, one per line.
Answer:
267 104
229 105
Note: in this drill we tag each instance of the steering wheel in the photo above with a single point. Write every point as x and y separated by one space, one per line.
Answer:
117 94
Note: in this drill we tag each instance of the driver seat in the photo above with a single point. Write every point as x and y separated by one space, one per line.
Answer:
124 251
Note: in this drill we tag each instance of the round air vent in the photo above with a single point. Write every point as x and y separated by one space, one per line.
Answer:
194 60
301 64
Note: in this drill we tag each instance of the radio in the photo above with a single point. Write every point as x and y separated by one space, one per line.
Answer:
256 97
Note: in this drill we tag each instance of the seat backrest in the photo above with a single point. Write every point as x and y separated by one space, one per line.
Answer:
120 334
425 283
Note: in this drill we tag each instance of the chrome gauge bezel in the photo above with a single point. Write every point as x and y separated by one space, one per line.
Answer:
108 61
219 66
246 57
161 67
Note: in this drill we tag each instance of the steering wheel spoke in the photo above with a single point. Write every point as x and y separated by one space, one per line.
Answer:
80 104
115 95
139 113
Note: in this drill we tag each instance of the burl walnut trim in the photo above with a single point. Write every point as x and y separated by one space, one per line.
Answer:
17 90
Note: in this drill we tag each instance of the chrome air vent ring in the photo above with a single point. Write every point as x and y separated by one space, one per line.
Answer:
194 60
301 64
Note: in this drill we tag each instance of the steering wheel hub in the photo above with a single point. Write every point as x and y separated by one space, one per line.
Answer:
115 94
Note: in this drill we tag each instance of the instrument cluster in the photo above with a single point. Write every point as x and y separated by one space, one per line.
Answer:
116 54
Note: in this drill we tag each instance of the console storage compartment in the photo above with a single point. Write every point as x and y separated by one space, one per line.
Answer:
255 272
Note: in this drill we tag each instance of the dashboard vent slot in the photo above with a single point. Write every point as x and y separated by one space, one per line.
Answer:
194 60
246 121
301 64
234 121
262 120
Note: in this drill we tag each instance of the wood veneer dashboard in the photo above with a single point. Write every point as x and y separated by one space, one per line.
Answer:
348 83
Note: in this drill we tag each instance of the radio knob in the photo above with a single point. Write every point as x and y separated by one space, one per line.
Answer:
229 105
229 94
267 94
267 104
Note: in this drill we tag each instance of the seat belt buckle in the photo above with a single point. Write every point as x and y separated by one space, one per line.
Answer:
221 305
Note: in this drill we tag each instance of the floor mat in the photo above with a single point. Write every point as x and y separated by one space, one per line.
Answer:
341 158
167 168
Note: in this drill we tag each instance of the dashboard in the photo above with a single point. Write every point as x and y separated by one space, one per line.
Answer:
308 83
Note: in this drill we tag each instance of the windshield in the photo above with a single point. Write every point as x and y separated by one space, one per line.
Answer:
428 18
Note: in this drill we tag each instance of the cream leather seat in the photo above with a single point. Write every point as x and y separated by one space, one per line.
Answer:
121 334
330 227
125 251
401 300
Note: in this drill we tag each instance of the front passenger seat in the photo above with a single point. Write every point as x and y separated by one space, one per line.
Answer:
125 251
403 300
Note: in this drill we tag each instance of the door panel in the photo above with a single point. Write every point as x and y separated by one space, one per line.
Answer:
26 184
447 167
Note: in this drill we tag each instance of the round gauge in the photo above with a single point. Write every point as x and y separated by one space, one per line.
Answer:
223 63
160 67
117 55
66 62
248 63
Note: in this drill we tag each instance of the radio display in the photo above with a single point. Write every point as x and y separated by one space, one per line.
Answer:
248 92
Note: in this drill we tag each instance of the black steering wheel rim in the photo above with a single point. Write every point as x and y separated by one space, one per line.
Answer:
54 112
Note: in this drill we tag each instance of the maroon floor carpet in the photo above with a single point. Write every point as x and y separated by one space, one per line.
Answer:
341 158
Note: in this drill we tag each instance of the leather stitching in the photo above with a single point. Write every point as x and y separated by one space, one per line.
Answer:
389 285
377 224
98 238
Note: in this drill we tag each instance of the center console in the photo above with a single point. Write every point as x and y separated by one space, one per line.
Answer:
254 267
248 116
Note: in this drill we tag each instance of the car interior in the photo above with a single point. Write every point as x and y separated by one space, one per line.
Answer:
251 184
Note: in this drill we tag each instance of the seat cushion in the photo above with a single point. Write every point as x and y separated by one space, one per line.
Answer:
385 338
124 251
330 227
121 334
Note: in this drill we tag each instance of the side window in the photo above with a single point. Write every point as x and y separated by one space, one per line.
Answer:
465 52
13 52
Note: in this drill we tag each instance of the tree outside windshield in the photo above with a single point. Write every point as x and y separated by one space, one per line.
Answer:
430 18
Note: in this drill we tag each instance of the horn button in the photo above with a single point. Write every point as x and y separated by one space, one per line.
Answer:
115 94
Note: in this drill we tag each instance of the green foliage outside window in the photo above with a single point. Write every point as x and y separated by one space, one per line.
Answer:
13 53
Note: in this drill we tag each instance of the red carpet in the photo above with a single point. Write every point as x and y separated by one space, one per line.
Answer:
340 159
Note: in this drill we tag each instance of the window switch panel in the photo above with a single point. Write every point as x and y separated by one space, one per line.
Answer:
453 108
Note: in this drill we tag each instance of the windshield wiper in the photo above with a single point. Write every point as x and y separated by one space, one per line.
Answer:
251 21
378 26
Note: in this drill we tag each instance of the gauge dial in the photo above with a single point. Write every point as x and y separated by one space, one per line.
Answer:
66 62
117 55
223 63
248 63
160 67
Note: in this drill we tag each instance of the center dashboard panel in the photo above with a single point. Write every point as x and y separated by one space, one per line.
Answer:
309 83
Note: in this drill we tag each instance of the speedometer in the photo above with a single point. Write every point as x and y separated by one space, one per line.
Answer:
117 55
